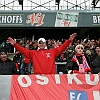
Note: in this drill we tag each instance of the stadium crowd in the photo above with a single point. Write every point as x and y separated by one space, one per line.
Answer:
90 47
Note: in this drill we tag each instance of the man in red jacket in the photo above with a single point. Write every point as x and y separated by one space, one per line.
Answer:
26 63
43 59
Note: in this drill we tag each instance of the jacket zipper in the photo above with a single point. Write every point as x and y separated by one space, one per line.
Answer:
42 52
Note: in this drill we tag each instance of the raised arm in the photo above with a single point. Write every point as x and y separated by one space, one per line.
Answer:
21 49
60 49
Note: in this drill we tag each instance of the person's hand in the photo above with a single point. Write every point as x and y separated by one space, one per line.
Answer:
89 72
99 73
72 36
11 41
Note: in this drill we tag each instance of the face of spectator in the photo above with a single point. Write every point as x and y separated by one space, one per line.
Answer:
3 56
79 50
97 49
60 43
27 41
92 42
21 42
27 46
49 42
53 45
42 44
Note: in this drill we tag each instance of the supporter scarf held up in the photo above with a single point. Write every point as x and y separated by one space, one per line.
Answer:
84 67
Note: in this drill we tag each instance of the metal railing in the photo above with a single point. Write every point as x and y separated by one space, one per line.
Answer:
48 5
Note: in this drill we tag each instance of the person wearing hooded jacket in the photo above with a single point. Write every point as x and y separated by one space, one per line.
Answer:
43 60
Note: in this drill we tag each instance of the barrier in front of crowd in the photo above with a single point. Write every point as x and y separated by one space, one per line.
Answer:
50 87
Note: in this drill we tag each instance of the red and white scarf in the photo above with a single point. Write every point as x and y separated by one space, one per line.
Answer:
55 45
84 67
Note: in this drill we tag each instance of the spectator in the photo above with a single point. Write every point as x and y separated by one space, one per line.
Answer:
31 45
35 45
61 67
86 40
17 60
96 61
27 41
43 59
22 69
21 42
26 67
79 63
49 44
3 45
7 67
8 47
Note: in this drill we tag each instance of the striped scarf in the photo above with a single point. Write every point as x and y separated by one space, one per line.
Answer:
55 45
85 64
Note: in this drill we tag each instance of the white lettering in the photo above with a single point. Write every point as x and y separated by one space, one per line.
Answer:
71 77
13 19
96 95
20 19
28 79
98 19
94 19
17 17
57 78
4 19
72 95
43 80
96 79
78 97
9 19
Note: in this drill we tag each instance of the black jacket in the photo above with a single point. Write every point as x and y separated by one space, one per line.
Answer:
7 68
71 65
96 65
17 58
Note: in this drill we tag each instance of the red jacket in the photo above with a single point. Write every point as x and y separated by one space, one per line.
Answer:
43 60
27 60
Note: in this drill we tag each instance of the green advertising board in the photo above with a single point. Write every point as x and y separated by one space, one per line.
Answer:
49 19
88 19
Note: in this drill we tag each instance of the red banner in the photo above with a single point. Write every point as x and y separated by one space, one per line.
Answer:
55 87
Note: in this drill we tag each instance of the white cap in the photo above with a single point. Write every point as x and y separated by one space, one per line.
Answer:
41 39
